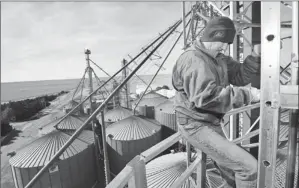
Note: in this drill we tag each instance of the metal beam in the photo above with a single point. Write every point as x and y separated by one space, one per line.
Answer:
270 97
293 126
233 50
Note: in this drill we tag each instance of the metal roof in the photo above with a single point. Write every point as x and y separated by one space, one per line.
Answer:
153 94
166 107
133 128
151 99
163 171
116 114
72 122
41 150
72 104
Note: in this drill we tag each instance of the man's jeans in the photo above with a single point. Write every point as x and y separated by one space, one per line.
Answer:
237 167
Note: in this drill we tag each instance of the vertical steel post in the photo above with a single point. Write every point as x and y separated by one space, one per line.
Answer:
127 86
96 143
184 26
246 51
270 93
139 173
233 50
106 159
292 139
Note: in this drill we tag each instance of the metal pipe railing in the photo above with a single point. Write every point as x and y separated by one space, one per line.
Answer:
80 129
123 177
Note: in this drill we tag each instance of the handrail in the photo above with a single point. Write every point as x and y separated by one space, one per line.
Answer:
179 182
155 150
80 129
242 109
122 178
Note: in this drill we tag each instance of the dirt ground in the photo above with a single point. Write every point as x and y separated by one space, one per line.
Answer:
25 133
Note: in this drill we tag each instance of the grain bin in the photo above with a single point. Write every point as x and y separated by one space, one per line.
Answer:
163 171
128 138
147 104
165 114
116 114
74 169
72 104
71 122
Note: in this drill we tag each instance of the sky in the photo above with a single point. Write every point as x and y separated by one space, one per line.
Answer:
46 40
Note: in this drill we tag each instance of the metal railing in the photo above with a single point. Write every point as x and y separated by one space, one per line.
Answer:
134 174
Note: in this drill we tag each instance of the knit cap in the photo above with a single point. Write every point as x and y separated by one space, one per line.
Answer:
219 29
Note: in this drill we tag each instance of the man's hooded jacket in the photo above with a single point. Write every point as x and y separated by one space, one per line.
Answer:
202 81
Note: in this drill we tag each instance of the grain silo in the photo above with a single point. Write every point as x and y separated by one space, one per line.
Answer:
72 104
74 169
116 114
163 171
147 104
165 114
71 122
128 138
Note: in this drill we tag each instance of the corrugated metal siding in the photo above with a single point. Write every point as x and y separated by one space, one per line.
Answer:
165 114
132 128
76 172
38 152
121 152
169 120
132 136
147 111
150 101
163 171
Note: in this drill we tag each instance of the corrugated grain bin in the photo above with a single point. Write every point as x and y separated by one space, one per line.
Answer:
163 171
72 122
74 169
128 138
165 114
116 114
72 104
146 106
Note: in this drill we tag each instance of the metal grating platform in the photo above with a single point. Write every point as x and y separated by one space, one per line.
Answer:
214 180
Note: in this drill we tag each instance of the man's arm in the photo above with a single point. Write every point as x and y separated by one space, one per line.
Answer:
239 74
201 89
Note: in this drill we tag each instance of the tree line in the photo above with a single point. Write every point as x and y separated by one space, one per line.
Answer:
17 111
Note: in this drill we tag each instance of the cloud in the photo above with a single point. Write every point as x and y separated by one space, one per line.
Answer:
46 40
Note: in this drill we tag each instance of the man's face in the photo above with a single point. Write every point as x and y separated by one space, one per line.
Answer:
218 46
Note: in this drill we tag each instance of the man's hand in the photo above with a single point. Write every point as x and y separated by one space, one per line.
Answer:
255 94
256 50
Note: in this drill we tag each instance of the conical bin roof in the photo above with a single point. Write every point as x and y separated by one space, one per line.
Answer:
133 128
41 150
